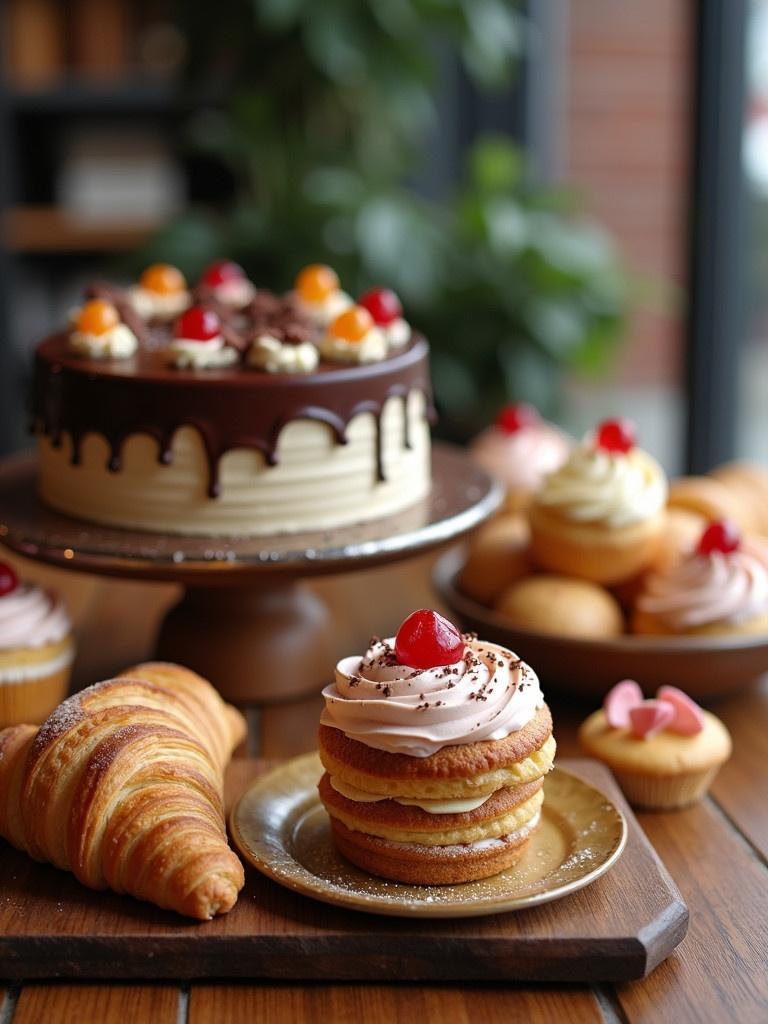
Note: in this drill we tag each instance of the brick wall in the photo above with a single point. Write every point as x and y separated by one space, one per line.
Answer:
627 123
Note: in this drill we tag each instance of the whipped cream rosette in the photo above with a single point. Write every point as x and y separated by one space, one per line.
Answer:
720 586
435 746
520 449
485 695
600 516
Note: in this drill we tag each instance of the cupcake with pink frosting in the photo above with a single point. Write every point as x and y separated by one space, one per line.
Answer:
664 752
720 587
36 650
520 449
435 747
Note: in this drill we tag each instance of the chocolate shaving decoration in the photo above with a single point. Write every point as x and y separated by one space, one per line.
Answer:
122 303
278 317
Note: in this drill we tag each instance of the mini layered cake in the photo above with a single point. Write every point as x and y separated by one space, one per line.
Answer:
225 409
435 747
36 650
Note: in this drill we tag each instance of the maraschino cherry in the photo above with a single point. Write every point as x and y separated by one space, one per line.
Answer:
427 640
722 535
515 416
617 435
383 305
198 324
8 580
222 272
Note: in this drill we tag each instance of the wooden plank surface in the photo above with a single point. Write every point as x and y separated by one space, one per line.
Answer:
720 972
97 1004
618 927
743 778
428 1004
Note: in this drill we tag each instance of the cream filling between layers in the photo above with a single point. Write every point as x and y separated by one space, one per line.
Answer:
494 829
317 483
430 806
483 844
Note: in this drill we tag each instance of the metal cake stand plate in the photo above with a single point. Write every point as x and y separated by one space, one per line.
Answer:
246 620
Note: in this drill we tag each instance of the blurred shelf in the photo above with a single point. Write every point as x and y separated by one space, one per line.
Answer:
95 96
47 229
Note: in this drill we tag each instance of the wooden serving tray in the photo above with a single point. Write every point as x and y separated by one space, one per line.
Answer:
617 929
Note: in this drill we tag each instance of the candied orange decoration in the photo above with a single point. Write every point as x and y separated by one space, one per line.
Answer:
163 279
316 282
97 317
352 325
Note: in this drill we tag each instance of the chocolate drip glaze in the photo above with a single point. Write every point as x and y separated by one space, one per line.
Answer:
231 407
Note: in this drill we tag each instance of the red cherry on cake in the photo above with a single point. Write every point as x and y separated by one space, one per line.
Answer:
8 580
617 435
198 324
383 305
222 272
722 535
427 640
515 416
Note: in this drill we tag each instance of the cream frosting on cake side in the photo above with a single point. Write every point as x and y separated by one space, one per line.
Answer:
316 484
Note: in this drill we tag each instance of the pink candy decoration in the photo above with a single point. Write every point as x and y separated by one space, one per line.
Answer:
689 718
672 709
650 718
620 700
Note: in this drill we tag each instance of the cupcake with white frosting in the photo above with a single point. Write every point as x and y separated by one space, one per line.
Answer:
36 650
720 587
435 747
600 516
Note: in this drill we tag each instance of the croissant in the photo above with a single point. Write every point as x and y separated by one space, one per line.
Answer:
122 786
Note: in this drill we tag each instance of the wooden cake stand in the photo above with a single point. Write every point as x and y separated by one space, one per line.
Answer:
246 620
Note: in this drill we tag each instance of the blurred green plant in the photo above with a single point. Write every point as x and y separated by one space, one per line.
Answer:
326 109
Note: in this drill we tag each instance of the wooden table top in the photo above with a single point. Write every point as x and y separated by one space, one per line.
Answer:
716 852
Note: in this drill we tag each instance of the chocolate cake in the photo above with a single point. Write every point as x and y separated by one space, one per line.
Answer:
229 410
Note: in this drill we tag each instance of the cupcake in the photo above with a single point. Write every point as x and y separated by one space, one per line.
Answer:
720 588
435 746
561 606
600 516
520 449
664 753
497 555
36 650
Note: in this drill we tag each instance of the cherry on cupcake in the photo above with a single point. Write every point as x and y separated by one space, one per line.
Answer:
516 416
722 536
222 272
198 324
427 640
8 579
383 305
616 436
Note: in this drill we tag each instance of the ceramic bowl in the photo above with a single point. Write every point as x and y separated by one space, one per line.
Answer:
703 666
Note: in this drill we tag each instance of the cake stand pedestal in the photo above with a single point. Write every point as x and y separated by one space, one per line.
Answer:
247 621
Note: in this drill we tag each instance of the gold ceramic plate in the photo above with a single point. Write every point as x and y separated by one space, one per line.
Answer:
282 829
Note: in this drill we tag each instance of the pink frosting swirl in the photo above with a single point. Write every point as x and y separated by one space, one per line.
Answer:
31 616
487 695
702 589
523 458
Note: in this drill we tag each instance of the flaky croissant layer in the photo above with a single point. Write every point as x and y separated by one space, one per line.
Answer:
122 786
